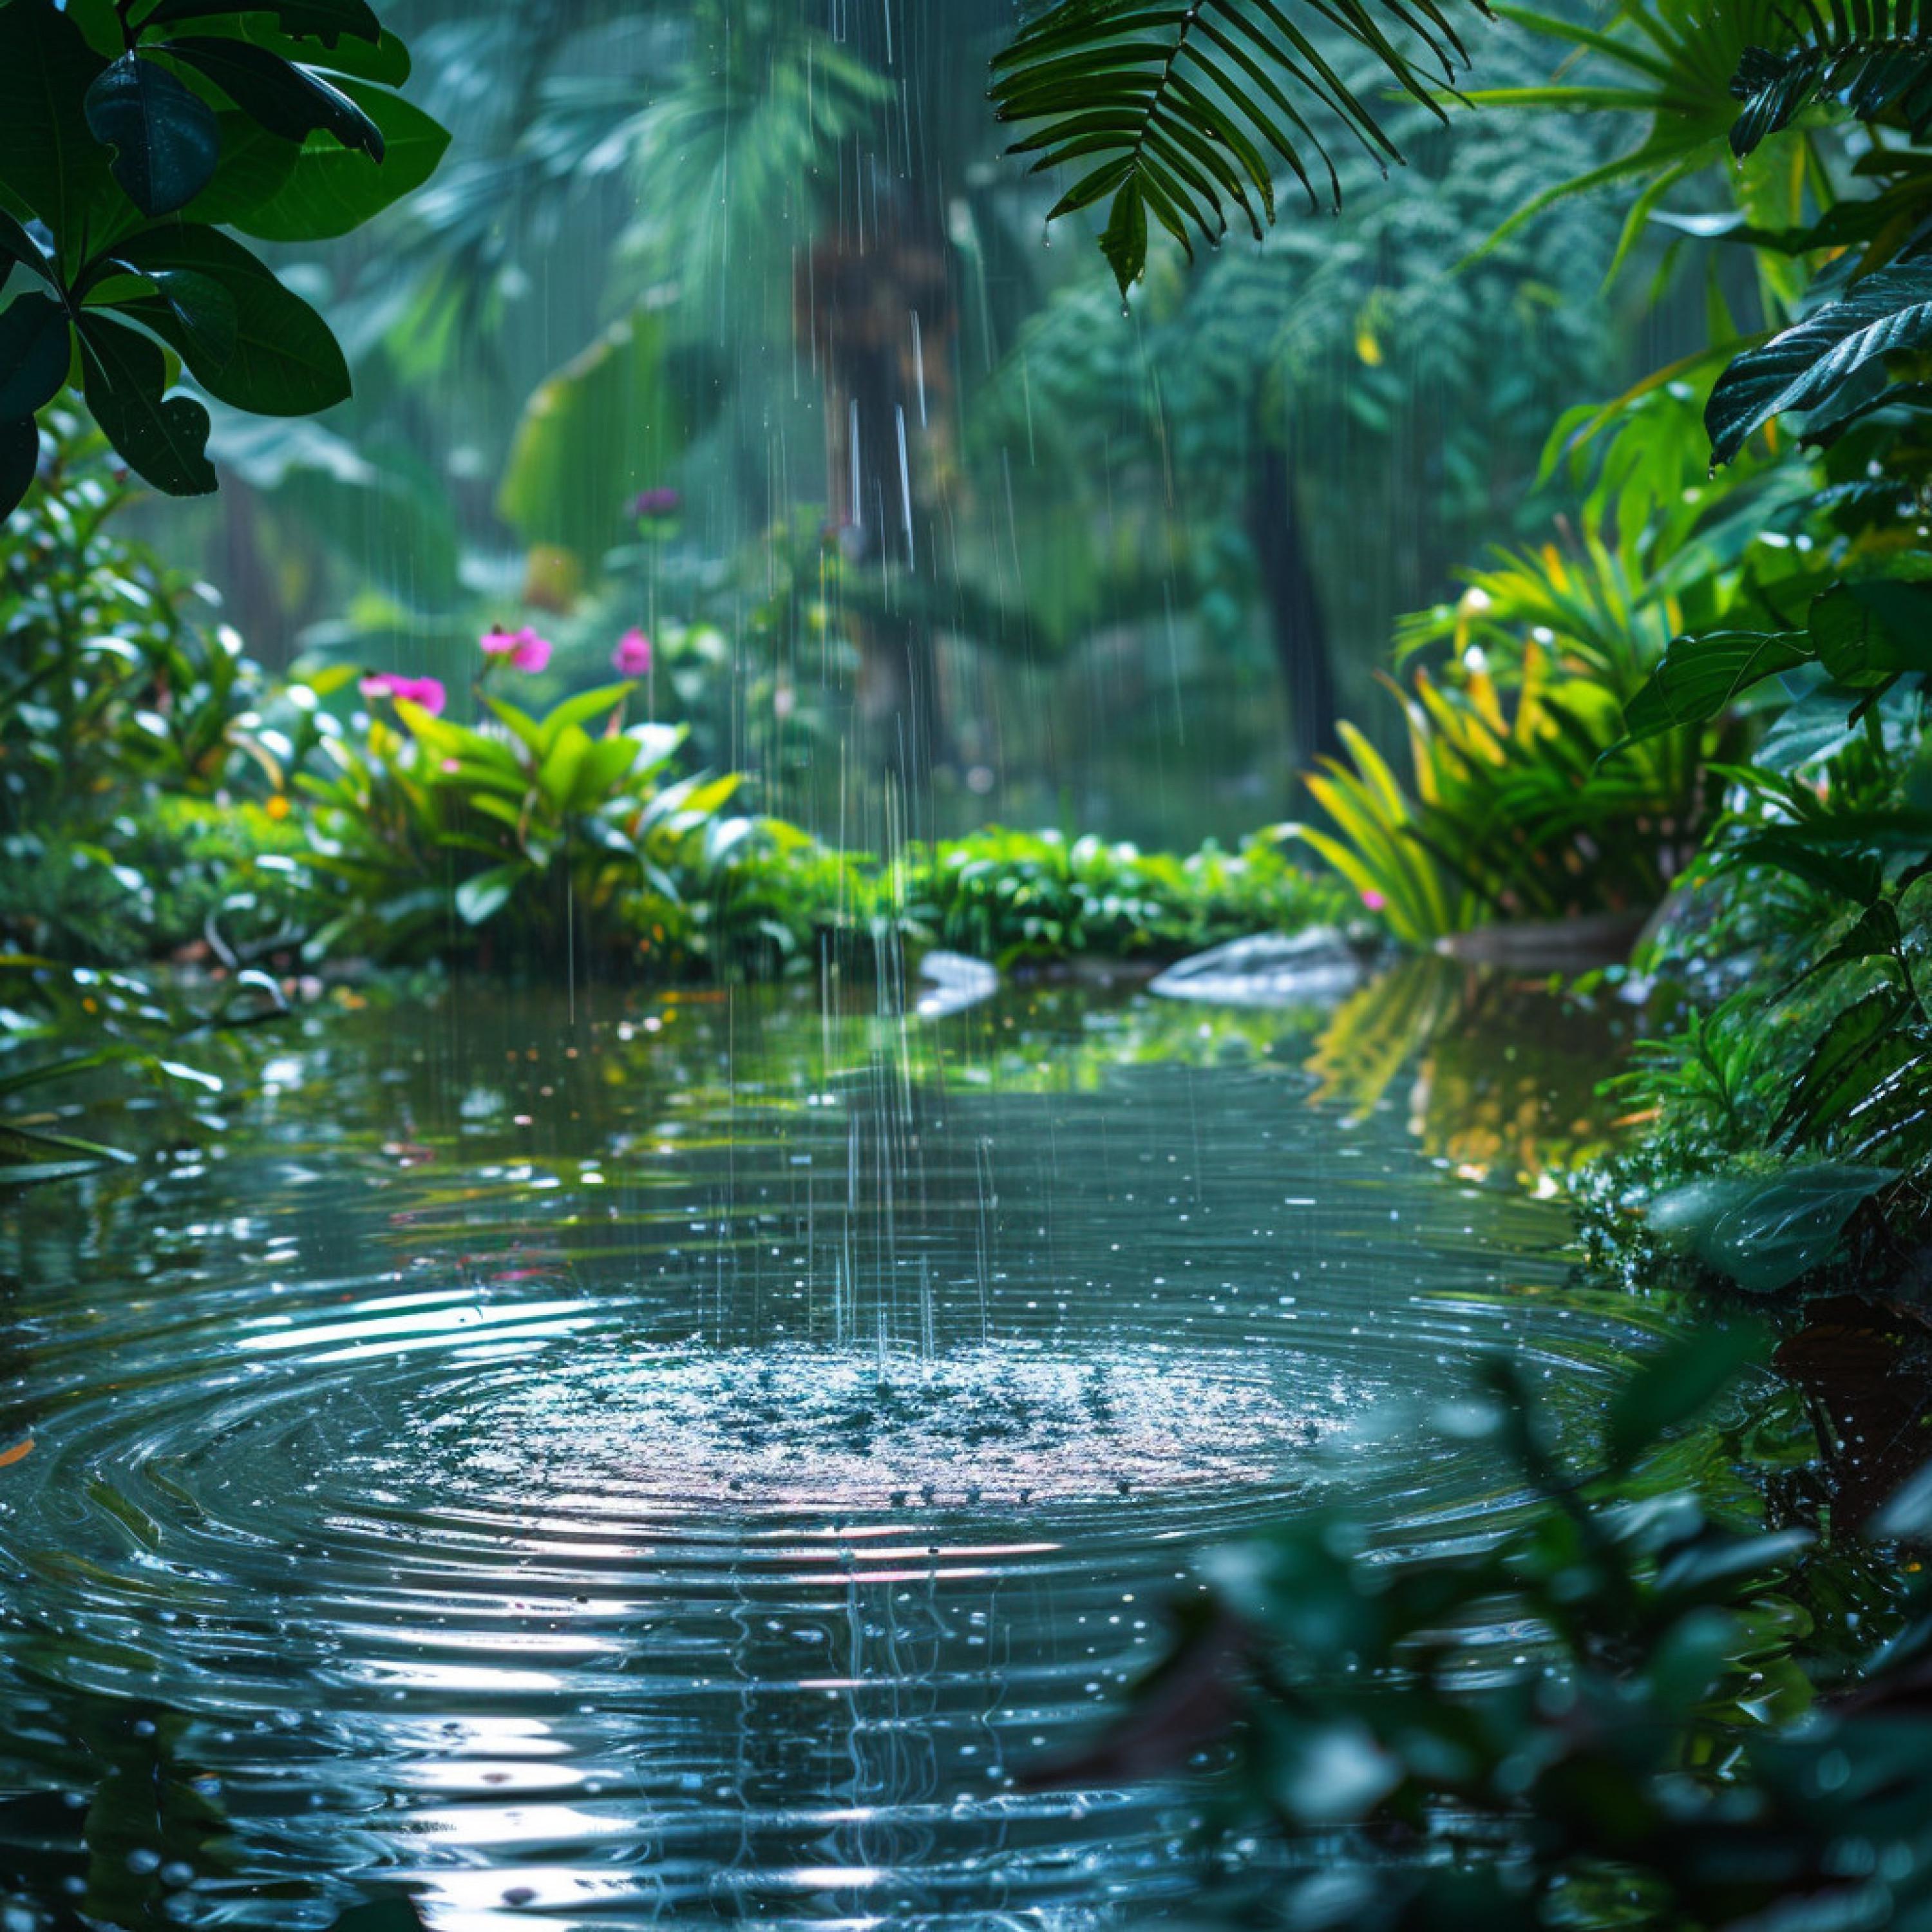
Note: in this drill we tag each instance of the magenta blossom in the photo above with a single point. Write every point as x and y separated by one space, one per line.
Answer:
633 654
1374 900
524 648
656 503
426 691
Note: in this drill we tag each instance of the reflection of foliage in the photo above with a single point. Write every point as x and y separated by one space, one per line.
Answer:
1504 1081
151 1826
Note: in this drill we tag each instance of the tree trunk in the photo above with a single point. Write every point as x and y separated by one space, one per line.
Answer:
1295 604
876 311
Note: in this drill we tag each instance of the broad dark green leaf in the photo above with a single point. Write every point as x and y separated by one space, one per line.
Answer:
254 165
1873 935
1862 631
284 362
1863 1044
1764 1231
17 245
1805 365
1675 1384
164 438
1819 726
35 353
165 142
1699 677
191 312
328 189
286 97
20 459
324 20
48 158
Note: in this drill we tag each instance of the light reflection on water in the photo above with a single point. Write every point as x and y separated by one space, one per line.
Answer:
619 1469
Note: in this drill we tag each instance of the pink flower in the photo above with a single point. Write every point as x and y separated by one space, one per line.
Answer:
524 648
653 503
633 654
426 691
1374 900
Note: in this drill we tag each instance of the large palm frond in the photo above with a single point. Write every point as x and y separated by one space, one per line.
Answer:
1671 62
1180 109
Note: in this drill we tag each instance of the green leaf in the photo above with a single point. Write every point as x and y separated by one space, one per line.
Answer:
286 97
285 362
556 776
1774 87
1124 239
1818 727
581 708
35 353
1699 677
255 163
191 311
1878 629
324 20
166 139
1851 1057
602 427
1765 1231
1676 1384
328 189
164 438
480 899
16 244
49 160
1805 365
1172 109
20 462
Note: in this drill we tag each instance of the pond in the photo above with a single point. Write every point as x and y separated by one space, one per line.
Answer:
607 1457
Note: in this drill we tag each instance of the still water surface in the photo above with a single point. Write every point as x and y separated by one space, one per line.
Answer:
694 1457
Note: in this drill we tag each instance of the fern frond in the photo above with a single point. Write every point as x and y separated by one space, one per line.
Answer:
1174 109
1873 57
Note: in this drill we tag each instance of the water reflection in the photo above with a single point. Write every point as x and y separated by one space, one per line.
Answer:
694 1457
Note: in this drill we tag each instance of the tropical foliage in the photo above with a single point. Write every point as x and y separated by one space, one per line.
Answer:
136 134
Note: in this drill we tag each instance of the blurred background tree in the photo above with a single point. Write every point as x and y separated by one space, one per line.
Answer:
929 532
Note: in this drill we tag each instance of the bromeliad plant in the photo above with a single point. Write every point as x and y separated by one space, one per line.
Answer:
1511 814
436 832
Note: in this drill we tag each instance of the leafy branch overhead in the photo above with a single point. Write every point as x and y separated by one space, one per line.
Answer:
1181 112
132 132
